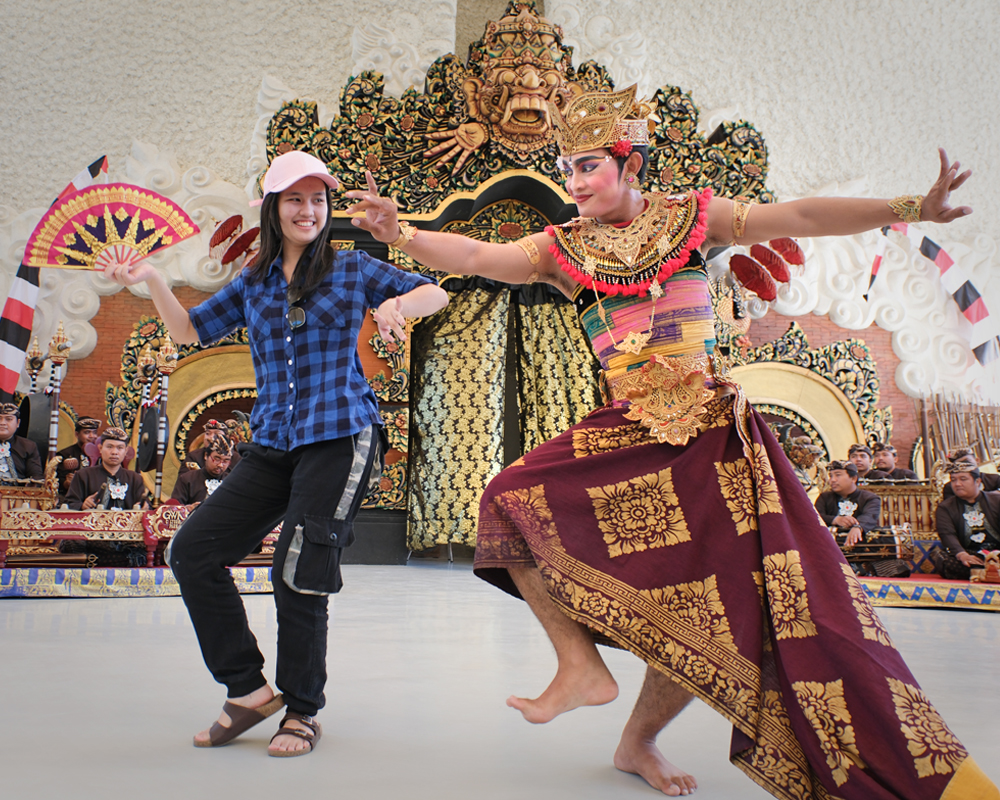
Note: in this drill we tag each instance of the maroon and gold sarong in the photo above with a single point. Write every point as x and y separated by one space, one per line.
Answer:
708 561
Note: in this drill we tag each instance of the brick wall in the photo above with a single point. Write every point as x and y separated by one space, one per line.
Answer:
821 331
85 381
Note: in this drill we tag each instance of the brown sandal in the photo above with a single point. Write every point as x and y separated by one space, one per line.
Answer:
311 735
241 719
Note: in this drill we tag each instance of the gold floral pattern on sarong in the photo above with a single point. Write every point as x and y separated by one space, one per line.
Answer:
777 755
499 541
529 511
697 602
768 499
871 625
934 748
823 704
594 441
639 514
786 592
748 487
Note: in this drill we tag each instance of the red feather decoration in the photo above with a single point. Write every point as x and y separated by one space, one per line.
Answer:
772 262
789 250
241 245
226 230
753 277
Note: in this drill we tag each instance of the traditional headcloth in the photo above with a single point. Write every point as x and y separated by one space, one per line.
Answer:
117 434
962 464
884 447
846 466
858 448
596 120
220 447
10 408
87 424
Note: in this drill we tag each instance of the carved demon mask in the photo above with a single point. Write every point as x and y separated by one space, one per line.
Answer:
519 66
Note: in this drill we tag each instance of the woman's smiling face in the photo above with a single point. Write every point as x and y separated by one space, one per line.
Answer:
302 210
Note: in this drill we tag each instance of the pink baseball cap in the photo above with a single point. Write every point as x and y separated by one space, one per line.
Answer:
291 167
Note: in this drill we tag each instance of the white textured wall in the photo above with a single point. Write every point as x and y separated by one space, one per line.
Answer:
78 79
839 88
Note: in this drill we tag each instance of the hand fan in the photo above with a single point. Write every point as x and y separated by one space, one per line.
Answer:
102 225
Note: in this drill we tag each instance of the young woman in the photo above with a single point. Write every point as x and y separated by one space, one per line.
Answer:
669 522
317 435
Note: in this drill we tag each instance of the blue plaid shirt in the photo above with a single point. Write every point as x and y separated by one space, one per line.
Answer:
310 384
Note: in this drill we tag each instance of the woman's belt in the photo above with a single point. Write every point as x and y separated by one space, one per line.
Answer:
668 395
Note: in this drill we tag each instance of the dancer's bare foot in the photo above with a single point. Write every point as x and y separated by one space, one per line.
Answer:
255 699
643 758
589 684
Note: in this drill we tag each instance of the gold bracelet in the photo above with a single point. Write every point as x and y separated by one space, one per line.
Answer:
907 207
741 210
406 234
530 250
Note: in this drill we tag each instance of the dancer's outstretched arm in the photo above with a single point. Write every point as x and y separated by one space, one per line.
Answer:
832 216
452 253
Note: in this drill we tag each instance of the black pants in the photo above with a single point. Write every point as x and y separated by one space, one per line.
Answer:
318 486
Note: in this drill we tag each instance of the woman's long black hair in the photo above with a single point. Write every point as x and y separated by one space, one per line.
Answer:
315 263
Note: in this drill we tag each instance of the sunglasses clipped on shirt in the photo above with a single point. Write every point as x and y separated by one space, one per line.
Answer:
296 315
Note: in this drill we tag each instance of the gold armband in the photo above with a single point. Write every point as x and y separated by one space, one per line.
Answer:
907 207
406 234
530 250
741 210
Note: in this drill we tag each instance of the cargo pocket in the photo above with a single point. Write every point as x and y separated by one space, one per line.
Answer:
312 565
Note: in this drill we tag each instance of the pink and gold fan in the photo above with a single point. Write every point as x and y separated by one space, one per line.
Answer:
98 226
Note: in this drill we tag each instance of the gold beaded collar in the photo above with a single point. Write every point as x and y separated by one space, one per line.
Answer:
647 251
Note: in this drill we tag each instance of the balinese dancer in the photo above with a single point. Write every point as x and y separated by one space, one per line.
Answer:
317 431
613 530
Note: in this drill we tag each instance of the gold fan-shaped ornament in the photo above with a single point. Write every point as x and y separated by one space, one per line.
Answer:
99 226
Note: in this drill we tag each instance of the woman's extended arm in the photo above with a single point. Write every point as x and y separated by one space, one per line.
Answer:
423 301
831 216
452 253
173 314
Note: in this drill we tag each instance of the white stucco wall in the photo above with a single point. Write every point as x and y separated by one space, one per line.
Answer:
852 96
81 79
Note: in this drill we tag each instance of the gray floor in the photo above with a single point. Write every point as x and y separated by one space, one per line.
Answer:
100 698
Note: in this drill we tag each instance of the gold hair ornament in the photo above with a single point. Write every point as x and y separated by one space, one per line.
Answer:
597 120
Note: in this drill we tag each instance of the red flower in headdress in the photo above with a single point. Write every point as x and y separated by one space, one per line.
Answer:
621 148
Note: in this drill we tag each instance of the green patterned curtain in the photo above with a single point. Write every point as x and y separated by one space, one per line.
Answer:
557 371
456 442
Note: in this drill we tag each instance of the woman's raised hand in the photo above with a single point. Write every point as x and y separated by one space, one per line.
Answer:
380 218
935 206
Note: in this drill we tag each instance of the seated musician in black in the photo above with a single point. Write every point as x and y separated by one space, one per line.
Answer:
108 484
860 455
196 458
968 521
75 456
195 485
885 461
990 480
19 458
847 507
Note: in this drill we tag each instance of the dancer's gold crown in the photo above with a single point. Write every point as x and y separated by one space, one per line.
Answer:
597 120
